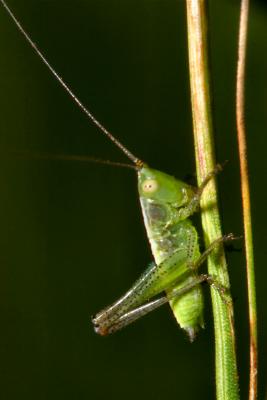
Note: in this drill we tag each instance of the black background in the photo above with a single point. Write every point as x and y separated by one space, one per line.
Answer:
72 238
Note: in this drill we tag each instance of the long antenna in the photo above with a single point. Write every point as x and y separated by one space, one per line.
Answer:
89 115
71 157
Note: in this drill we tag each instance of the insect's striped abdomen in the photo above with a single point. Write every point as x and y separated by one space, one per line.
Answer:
188 309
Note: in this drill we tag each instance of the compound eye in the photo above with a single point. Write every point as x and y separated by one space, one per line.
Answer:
150 186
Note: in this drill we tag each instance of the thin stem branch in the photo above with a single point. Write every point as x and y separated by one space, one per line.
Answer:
226 367
248 237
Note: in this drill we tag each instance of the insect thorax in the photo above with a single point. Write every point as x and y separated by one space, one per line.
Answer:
165 234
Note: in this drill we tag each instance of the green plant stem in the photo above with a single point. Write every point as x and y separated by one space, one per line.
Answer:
242 147
226 366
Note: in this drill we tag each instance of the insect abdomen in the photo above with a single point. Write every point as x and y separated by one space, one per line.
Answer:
165 238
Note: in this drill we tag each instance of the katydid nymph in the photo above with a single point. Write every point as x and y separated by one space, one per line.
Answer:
167 205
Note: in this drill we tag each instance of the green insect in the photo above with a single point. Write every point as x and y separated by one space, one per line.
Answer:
167 204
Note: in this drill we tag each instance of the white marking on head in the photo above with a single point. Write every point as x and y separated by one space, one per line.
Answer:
150 185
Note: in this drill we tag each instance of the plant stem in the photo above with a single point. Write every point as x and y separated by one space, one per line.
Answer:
226 367
242 147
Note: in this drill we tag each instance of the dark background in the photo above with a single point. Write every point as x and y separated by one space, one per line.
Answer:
72 238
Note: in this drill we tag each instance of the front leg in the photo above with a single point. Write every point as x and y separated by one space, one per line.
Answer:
194 203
